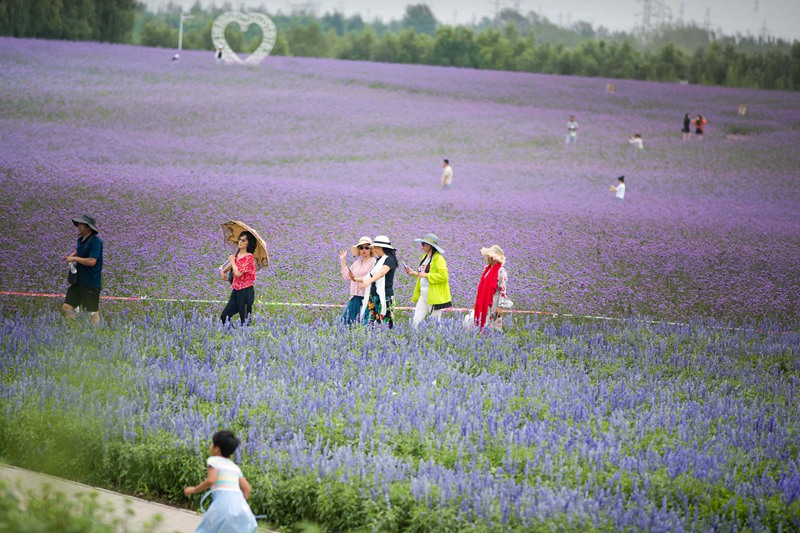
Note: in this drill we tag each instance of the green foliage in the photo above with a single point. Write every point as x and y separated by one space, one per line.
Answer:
97 20
419 18
51 512
512 41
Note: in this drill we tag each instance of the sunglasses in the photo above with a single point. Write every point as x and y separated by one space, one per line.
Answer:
242 239
364 247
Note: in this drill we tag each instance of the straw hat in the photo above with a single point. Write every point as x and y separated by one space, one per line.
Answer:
362 241
431 239
86 219
383 242
495 252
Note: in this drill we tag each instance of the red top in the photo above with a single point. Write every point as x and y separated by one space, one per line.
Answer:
486 289
247 266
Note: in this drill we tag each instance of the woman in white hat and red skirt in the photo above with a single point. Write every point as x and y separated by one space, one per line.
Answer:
491 299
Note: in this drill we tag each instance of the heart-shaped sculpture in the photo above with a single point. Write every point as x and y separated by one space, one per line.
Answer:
244 20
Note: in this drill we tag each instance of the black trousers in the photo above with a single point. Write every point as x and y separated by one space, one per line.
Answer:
241 302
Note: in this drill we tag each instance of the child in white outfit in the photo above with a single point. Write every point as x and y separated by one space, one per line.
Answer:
229 511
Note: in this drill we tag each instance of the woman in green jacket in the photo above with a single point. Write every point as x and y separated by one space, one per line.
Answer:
432 291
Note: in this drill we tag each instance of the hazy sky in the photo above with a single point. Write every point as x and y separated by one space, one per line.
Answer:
782 17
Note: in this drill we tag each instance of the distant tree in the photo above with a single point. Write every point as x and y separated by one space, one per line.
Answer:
158 34
333 21
355 23
454 47
359 45
494 51
413 47
420 18
670 63
281 47
307 41
387 50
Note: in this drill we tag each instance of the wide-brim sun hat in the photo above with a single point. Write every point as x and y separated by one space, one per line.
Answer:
88 220
382 241
361 242
431 239
495 252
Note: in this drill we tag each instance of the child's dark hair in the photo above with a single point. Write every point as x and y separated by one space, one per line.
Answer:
226 441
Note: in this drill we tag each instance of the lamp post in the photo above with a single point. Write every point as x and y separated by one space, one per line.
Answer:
180 29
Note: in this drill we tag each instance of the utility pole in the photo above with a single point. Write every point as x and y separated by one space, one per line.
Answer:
496 4
180 29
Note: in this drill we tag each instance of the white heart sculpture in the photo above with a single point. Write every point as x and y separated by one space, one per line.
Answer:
244 20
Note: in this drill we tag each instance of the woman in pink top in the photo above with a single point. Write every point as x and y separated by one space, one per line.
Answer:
244 276
355 274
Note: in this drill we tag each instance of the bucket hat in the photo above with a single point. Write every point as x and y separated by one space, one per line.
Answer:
86 219
431 239
362 241
383 242
495 252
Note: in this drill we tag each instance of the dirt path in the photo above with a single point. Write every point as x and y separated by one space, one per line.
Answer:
134 514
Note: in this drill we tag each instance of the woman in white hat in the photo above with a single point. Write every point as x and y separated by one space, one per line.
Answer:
491 298
432 291
379 284
355 274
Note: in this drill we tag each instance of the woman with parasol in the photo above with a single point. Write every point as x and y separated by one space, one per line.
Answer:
243 267
240 270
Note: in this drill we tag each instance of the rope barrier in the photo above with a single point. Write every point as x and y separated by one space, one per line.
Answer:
262 302
339 306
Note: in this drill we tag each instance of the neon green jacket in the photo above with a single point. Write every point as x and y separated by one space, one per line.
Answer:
439 282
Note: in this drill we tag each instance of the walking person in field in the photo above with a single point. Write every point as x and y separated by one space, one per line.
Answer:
86 271
447 175
572 130
355 274
243 265
379 284
432 290
487 314
687 127
229 511
699 125
618 189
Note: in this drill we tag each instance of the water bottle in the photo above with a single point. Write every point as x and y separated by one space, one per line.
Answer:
72 267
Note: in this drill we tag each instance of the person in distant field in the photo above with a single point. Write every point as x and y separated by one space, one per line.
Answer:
229 511
447 175
487 313
572 130
87 264
687 127
176 57
619 189
432 290
243 265
699 125
637 141
379 284
355 274
218 55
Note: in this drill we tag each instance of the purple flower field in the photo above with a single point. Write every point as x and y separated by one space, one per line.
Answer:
601 426
314 153
554 425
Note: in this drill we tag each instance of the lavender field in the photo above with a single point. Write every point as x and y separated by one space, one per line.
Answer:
553 425
315 153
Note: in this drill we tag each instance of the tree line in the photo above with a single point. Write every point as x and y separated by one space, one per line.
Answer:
74 20
510 41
